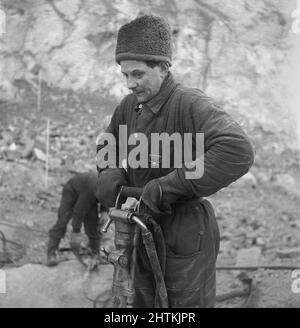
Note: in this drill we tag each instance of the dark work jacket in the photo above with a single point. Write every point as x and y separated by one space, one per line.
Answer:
178 109
190 232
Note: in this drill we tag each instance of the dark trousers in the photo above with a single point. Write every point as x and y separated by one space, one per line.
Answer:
68 201
192 240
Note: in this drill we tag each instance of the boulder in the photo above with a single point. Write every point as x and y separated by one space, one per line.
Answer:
65 286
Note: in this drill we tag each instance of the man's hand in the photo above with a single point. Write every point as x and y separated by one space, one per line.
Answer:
152 199
109 183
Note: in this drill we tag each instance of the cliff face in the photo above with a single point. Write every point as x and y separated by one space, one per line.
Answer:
237 51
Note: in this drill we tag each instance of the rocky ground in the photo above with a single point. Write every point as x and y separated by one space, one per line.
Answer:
258 216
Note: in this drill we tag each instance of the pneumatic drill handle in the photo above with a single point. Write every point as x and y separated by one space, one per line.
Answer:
106 225
134 192
116 213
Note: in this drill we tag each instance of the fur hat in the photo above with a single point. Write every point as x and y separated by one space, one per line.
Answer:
145 38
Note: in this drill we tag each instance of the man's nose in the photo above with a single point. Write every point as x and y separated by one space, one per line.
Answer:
131 83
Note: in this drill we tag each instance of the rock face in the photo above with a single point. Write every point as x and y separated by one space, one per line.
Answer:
236 51
63 286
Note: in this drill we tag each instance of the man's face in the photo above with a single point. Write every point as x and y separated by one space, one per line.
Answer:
142 80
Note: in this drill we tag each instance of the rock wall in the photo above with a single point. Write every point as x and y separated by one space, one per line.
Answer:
237 51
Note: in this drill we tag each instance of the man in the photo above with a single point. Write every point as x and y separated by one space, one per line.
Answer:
158 104
79 203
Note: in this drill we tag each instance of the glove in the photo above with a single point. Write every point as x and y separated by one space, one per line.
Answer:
152 200
159 194
77 242
109 183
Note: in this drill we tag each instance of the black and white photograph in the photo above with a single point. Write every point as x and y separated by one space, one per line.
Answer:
150 156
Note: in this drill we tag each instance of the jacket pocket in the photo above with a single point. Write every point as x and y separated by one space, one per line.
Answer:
185 230
191 280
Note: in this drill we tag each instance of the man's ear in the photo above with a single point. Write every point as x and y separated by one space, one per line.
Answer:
164 69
